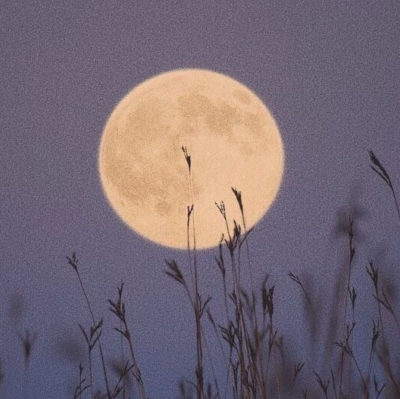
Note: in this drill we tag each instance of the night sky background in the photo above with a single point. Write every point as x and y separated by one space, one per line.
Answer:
330 74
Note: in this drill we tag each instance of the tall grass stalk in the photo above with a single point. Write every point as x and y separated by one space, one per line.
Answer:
252 348
91 340
232 244
119 310
352 252
73 261
197 299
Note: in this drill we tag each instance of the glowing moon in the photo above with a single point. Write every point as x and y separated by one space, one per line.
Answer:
233 141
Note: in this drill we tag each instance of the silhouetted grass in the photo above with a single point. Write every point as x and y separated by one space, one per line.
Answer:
256 355
257 364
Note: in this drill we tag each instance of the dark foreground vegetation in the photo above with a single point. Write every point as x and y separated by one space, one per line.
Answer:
257 362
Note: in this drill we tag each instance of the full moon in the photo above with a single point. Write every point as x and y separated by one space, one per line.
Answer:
232 140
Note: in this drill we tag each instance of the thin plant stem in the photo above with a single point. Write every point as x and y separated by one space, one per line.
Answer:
73 262
199 348
395 202
350 264
238 195
91 375
211 364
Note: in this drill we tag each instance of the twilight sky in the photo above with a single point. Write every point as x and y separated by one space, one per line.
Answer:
328 71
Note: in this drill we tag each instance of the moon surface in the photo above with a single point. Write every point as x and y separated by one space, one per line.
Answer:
230 135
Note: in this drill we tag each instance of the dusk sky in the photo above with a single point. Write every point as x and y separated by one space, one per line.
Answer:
330 74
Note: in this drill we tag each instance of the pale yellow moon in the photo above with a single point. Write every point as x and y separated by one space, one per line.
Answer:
232 139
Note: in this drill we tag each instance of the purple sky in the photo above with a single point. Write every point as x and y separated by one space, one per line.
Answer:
328 71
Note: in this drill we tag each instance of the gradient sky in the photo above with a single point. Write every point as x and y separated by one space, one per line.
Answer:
328 71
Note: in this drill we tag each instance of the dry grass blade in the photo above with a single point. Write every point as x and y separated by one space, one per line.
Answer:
81 387
268 301
377 388
353 296
174 272
297 280
375 334
123 373
187 157
228 334
238 196
378 168
203 306
73 261
384 301
220 261
297 369
93 337
373 274
324 384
